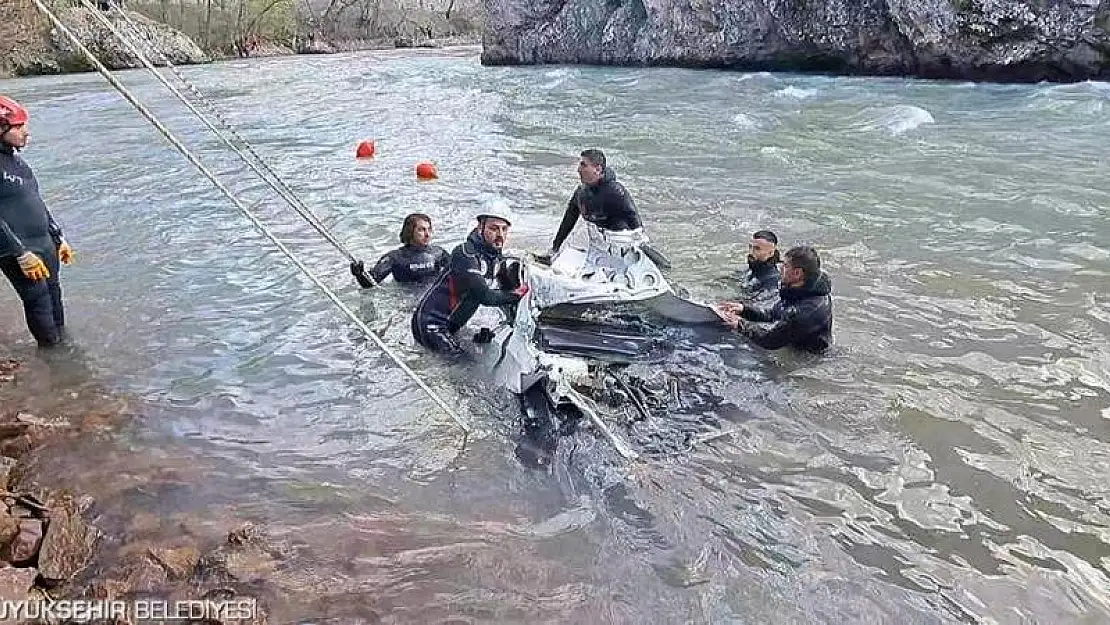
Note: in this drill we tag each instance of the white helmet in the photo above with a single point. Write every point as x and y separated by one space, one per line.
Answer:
498 209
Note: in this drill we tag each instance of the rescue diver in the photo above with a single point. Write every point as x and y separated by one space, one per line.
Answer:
802 317
476 275
417 260
31 241
762 277
599 199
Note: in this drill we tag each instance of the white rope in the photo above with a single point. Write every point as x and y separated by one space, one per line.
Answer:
258 224
277 184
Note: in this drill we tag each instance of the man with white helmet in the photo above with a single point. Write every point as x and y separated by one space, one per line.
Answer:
31 242
475 276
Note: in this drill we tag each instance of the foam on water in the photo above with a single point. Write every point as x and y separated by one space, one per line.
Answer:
894 120
797 93
745 121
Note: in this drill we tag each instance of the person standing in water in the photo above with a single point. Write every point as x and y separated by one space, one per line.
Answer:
31 242
599 199
762 277
417 260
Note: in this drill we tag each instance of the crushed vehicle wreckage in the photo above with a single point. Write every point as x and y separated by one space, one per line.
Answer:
568 351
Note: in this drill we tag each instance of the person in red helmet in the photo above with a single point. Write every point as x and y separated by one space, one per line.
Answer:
31 242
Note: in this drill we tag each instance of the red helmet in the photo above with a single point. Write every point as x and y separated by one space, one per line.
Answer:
12 113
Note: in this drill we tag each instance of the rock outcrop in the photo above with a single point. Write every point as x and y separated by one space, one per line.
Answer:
39 48
999 40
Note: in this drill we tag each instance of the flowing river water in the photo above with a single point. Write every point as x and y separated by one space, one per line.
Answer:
947 462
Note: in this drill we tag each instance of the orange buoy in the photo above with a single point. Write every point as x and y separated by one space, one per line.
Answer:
426 171
365 149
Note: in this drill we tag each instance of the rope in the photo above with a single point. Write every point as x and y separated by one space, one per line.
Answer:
277 184
258 224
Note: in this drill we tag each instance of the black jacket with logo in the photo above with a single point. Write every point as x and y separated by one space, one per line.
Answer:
25 222
411 263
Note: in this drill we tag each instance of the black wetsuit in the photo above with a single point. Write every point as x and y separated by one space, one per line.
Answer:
470 281
26 225
761 279
606 204
410 264
802 318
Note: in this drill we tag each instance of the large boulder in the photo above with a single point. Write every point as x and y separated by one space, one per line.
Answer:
1008 40
144 34
31 45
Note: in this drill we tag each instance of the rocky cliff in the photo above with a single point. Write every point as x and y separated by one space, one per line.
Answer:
33 46
1004 40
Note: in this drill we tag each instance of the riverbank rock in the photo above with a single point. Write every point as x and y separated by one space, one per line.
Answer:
8 369
99 39
25 546
15 584
6 466
68 543
30 44
235 569
178 562
43 537
1003 40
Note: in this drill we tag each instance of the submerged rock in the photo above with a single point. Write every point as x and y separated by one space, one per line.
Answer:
8 369
248 556
6 466
9 527
179 562
68 543
1007 40
25 546
15 584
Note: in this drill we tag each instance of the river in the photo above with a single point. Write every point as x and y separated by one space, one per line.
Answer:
947 462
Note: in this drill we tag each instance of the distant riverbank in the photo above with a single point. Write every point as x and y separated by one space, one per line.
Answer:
30 46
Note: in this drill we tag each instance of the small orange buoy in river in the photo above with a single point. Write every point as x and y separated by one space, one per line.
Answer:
426 171
365 149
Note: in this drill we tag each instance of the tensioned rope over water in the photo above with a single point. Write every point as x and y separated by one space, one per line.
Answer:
258 224
277 184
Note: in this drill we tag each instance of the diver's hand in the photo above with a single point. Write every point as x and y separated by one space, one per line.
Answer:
731 307
358 270
65 253
545 258
728 313
731 320
521 290
33 267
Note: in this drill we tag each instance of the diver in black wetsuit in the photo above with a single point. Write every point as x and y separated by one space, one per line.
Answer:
31 242
600 199
416 261
477 275
803 316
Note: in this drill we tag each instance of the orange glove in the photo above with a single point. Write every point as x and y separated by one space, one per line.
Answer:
65 253
33 267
